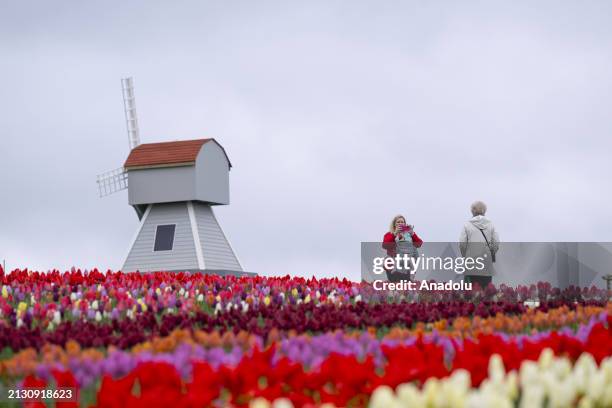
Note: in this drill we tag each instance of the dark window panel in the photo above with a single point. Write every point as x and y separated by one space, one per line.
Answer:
164 237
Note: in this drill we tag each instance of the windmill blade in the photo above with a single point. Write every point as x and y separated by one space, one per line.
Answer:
131 120
112 181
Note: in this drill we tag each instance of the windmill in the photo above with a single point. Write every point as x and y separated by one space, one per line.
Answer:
173 187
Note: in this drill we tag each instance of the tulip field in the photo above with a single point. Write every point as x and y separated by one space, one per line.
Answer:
195 340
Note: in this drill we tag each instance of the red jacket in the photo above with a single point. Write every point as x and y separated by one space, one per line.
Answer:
389 242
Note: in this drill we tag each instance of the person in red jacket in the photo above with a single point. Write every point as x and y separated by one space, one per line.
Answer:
401 239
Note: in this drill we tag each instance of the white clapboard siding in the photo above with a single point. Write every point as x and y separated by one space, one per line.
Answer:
182 256
218 253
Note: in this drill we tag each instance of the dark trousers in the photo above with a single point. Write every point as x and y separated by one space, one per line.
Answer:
482 281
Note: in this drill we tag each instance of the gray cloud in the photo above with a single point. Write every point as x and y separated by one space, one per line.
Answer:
336 116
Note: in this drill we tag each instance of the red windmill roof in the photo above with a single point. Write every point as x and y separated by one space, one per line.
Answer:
163 154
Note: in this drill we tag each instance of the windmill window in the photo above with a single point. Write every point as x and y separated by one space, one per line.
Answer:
164 237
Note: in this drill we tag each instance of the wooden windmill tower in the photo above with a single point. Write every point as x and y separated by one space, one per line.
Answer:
173 187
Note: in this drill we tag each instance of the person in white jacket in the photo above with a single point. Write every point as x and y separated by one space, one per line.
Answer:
479 239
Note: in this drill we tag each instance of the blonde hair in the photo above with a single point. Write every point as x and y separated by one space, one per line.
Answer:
478 208
394 220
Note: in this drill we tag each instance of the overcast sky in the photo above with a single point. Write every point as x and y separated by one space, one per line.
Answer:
335 115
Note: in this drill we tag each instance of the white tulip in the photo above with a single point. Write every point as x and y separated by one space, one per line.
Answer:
478 399
500 401
532 396
497 372
562 394
549 381
259 403
475 400
546 359
561 368
596 386
453 394
528 373
584 368
432 392
512 385
282 403
461 377
606 399
383 397
587 363
408 395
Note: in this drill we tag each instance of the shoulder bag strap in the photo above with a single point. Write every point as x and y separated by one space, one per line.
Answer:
485 237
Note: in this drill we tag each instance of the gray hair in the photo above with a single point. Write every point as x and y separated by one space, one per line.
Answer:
478 208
